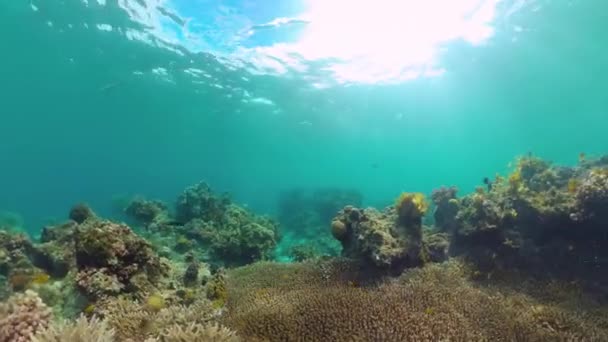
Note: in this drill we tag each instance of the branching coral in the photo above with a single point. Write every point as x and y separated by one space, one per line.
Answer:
23 316
198 333
132 321
81 330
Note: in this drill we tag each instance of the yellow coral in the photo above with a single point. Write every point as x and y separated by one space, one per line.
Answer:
411 205
515 179
573 185
155 302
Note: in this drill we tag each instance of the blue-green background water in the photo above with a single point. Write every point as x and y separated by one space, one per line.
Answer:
88 114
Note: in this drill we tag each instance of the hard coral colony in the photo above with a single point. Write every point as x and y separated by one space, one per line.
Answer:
203 270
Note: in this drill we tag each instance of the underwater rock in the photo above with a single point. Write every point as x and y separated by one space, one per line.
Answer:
52 258
191 274
389 239
446 208
81 212
435 247
61 233
592 197
145 211
98 283
14 253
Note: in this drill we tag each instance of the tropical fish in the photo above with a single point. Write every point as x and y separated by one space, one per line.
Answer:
23 280
40 278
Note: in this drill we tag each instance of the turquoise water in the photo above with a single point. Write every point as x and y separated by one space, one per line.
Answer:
98 102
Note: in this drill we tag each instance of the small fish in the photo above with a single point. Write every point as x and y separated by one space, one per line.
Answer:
582 157
488 183
110 86
596 261
40 278
353 283
375 165
305 123
173 223
89 309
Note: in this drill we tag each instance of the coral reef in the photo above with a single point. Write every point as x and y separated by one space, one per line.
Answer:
199 202
238 237
528 252
540 217
230 234
145 211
